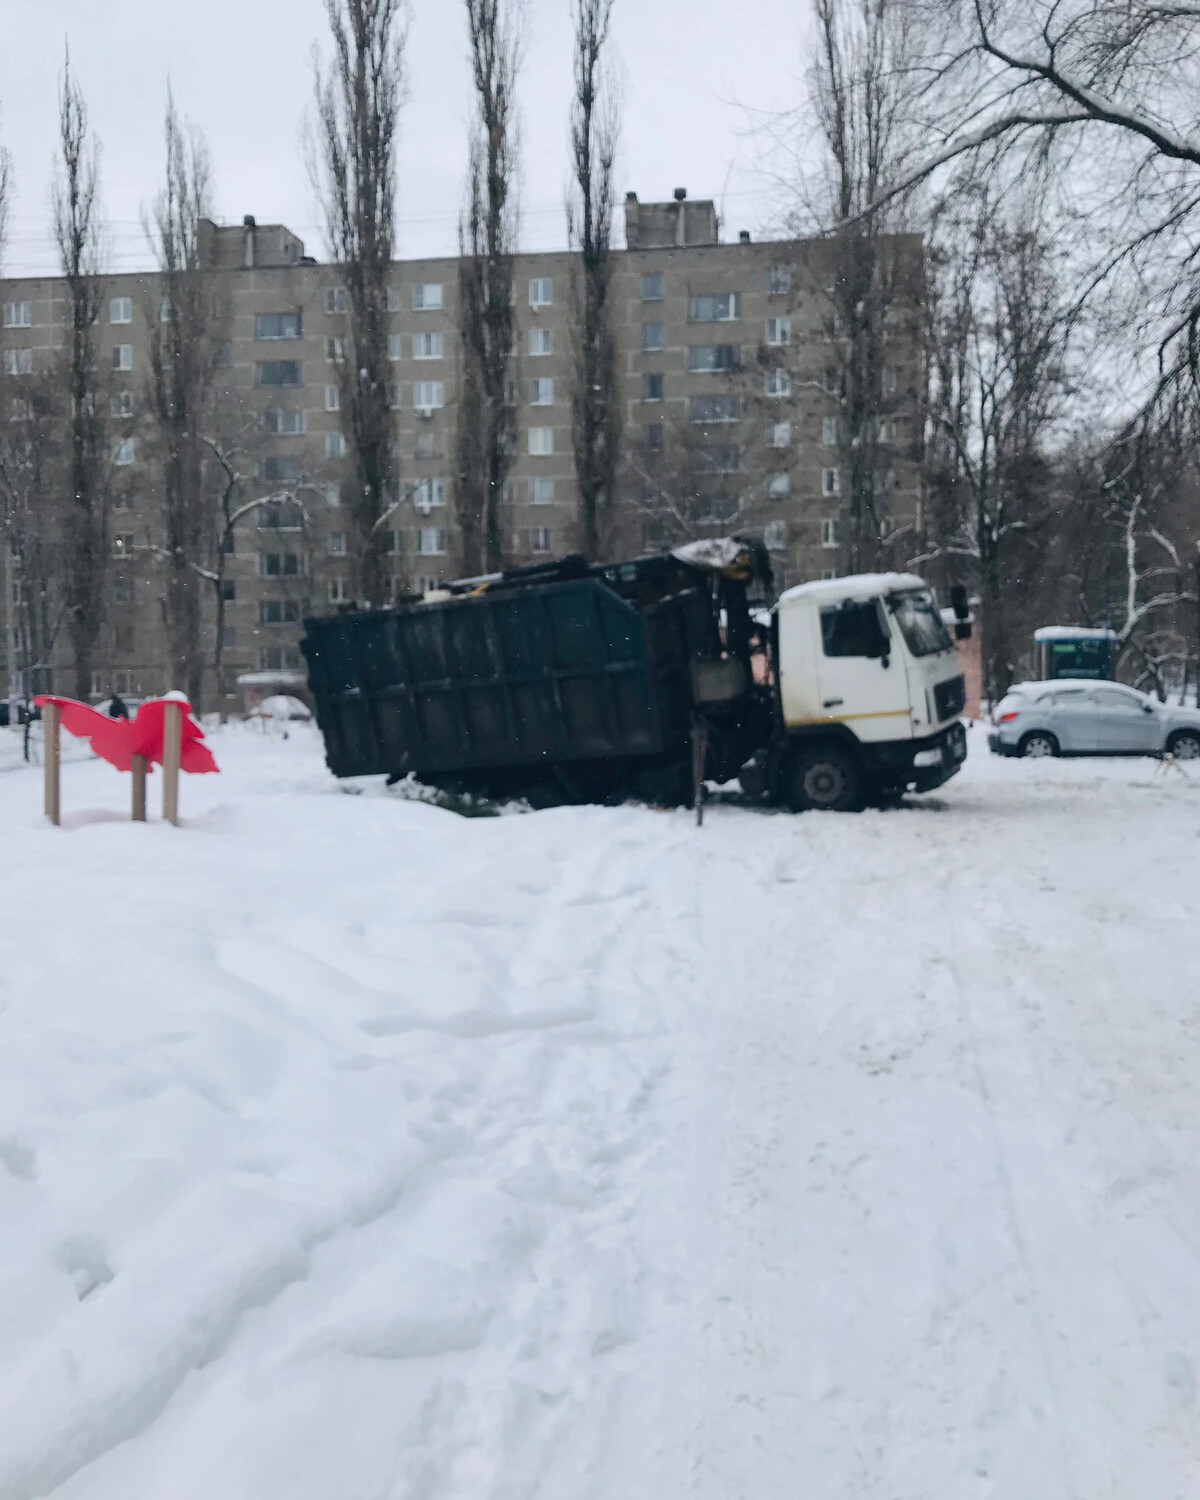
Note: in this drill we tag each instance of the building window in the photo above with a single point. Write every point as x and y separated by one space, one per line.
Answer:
277 469
427 296
778 486
339 591
285 421
393 542
123 451
779 383
652 438
652 387
541 292
335 299
541 341
829 432
334 351
395 347
120 310
20 361
425 443
428 345
779 332
541 539
335 445
278 612
828 574
431 541
122 544
541 441
273 372
121 404
285 325
541 393
831 482
652 288
887 430
780 435
713 408
122 590
229 543
164 309
335 544
775 535
229 590
428 395
279 565
279 659
829 532
429 493
395 300
779 281
280 515
122 357
652 337
333 495
723 459
891 379
725 307
832 380
18 315
541 492
709 358
333 398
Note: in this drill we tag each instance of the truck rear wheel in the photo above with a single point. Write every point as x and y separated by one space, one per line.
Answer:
824 779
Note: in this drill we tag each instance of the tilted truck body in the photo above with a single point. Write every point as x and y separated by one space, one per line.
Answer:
585 682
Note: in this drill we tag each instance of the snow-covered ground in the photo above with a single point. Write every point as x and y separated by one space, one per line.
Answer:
352 1150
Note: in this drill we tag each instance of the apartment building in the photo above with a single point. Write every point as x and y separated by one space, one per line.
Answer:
728 370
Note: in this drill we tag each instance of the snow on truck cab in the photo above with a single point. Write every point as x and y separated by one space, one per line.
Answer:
581 681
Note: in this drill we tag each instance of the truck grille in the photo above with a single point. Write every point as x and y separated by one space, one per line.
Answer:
949 698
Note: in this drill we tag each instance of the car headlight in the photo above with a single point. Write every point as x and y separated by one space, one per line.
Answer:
927 758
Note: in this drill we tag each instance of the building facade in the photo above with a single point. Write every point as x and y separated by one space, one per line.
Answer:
729 378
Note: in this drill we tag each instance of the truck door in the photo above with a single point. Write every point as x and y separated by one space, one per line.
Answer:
860 672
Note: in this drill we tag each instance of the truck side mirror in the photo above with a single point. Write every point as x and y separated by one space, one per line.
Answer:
884 652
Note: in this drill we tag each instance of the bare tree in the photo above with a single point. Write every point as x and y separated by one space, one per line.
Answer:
353 164
77 233
860 97
1000 327
595 402
486 437
186 329
6 192
30 424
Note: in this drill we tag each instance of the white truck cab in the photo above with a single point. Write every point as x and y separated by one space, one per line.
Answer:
870 692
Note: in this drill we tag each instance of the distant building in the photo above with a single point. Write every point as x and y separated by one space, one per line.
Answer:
727 357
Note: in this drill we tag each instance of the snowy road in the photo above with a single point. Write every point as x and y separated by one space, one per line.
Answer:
352 1149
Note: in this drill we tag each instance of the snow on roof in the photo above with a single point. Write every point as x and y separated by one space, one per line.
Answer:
857 586
270 679
1073 633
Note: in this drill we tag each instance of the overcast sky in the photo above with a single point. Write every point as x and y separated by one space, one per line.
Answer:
694 72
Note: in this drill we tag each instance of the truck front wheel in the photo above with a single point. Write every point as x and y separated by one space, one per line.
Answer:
824 779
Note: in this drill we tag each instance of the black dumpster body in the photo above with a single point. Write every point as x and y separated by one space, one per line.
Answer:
571 688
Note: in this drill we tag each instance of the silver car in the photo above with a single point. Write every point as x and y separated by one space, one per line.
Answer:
1091 718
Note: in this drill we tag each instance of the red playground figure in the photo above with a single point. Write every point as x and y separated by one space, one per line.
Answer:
163 733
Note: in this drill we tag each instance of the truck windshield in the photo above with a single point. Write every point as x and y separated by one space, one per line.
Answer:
920 624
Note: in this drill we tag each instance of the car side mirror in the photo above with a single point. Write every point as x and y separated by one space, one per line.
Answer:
1147 708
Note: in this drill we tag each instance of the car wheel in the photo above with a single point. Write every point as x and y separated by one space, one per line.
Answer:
1038 745
825 780
1185 745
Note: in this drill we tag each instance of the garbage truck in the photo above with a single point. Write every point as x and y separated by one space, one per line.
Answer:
577 681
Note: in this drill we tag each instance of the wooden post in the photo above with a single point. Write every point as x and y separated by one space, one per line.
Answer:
51 716
172 745
699 756
137 766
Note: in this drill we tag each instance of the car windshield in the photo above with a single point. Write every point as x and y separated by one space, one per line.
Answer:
919 622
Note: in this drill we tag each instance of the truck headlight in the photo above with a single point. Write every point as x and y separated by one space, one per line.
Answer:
927 758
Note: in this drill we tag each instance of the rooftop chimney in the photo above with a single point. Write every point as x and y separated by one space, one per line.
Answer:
248 228
248 221
680 194
743 236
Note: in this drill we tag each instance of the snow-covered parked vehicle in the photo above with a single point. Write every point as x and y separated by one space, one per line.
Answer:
587 682
1066 717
